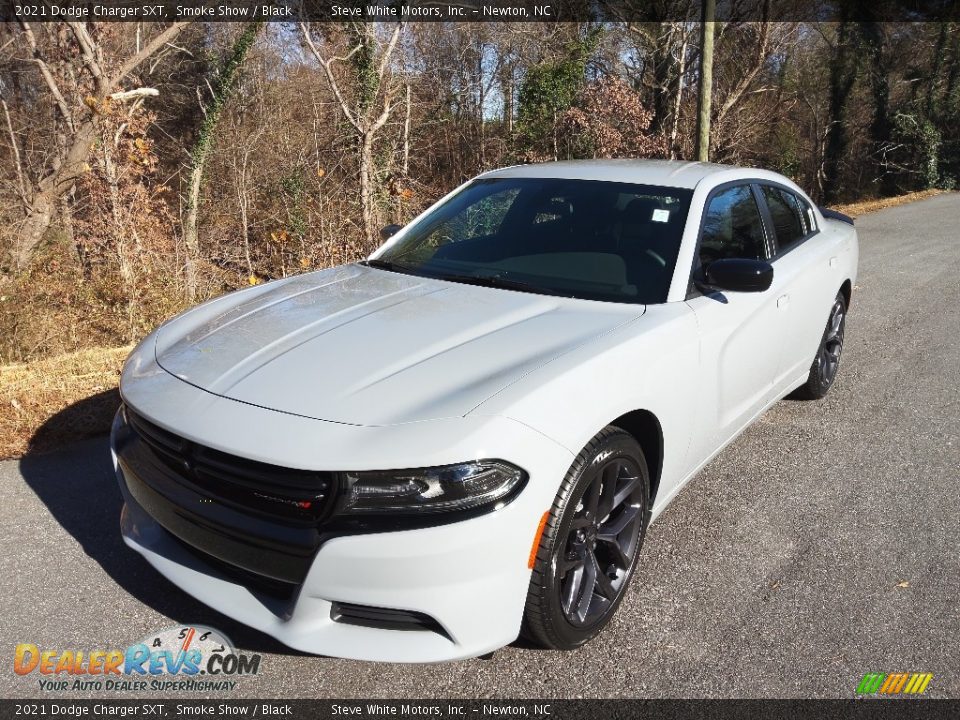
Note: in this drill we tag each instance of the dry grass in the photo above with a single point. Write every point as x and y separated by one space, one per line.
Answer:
47 403
868 206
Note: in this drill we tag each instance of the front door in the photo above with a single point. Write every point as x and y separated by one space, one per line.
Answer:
740 333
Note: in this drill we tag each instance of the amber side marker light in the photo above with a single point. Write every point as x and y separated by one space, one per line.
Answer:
536 540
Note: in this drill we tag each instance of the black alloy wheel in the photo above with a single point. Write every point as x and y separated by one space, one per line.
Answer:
832 344
823 370
590 545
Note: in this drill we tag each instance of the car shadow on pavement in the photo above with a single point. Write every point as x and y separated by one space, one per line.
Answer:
79 488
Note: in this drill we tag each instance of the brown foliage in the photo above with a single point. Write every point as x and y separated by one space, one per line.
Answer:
610 120
281 186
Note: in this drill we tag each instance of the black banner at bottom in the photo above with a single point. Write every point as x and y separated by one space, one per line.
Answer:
865 709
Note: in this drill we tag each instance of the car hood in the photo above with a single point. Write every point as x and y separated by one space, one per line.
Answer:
370 347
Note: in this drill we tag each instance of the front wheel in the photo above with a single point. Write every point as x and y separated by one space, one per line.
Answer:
823 371
590 544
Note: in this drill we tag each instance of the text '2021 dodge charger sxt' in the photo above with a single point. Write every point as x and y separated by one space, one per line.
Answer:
463 438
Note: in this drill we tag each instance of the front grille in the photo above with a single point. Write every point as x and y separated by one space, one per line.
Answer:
384 618
261 521
291 495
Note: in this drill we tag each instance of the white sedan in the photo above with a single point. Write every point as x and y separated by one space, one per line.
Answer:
463 438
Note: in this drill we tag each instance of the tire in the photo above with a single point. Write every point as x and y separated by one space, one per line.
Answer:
823 371
581 540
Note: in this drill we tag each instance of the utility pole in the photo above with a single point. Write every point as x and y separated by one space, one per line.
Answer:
706 79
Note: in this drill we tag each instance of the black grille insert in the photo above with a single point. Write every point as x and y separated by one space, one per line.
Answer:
295 496
385 618
262 521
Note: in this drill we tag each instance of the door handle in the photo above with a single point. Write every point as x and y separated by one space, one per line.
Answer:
833 262
783 301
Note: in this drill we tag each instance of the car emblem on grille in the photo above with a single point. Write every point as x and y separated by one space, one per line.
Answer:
187 461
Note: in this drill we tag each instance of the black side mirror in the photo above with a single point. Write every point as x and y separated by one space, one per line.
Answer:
739 275
389 231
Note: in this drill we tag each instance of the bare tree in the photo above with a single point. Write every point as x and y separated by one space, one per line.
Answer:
374 103
222 87
706 81
79 117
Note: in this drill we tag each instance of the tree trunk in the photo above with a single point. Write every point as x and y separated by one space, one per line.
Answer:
665 79
874 35
42 208
190 235
69 167
225 84
933 109
706 81
406 136
39 217
843 73
951 94
366 189
367 118
678 100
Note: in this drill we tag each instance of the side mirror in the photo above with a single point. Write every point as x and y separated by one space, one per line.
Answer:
389 231
739 275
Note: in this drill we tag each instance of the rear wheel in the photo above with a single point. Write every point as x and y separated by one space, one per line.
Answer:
823 371
590 544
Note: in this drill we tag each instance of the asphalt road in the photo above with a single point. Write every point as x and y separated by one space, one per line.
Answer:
824 543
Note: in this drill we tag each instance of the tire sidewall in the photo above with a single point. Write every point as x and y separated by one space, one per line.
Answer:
612 444
817 386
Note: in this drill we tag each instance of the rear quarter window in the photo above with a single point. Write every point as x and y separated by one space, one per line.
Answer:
786 211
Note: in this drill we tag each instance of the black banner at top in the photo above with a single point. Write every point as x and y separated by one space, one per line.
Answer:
475 10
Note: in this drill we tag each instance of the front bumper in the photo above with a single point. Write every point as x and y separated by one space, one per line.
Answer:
470 577
477 600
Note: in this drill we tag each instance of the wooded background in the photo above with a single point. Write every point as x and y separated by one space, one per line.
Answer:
145 167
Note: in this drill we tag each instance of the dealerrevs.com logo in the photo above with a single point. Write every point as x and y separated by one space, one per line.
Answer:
894 684
180 658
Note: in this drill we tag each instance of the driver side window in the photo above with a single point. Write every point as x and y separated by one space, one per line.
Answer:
732 227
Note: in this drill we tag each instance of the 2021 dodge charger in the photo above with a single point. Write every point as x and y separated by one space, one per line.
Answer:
464 437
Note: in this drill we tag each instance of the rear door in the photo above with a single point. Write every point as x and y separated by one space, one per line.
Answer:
805 263
740 333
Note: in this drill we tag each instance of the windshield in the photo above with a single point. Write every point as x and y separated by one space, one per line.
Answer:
576 238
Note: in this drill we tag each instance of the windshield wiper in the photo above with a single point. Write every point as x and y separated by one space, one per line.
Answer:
387 265
498 281
494 281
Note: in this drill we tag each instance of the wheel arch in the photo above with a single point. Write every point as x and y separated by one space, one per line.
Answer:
645 428
847 290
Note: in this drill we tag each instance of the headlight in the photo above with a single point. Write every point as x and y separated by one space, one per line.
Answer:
428 490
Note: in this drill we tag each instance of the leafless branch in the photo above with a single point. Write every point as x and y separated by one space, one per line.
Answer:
148 50
47 75
759 59
16 158
326 65
136 94
88 48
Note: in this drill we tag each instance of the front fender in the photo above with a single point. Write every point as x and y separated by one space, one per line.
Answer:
649 364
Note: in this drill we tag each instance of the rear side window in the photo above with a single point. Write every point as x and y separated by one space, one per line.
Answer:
789 224
732 227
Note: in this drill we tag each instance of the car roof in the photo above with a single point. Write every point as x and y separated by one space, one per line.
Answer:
668 173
